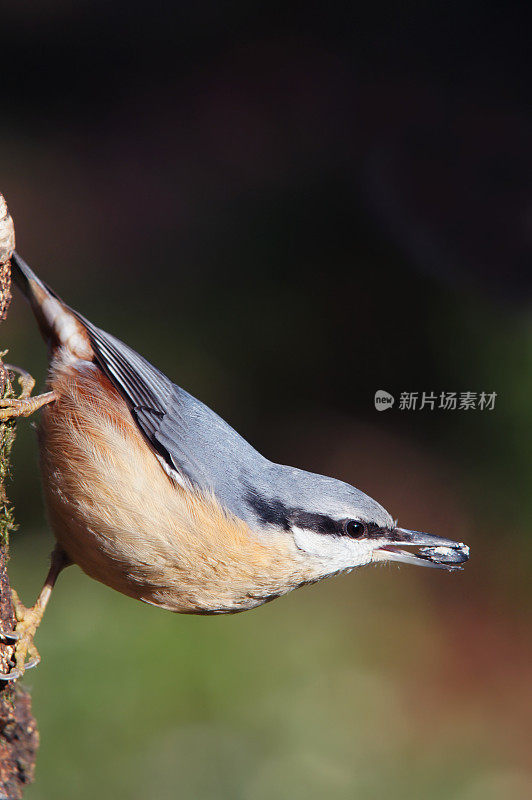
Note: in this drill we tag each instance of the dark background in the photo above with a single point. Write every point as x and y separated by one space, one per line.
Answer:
287 208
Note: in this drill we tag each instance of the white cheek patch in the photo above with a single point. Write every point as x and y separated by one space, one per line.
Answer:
335 552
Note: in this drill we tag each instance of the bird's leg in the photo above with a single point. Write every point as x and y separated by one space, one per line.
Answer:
28 620
24 405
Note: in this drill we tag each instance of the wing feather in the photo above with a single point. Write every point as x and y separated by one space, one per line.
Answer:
146 390
187 435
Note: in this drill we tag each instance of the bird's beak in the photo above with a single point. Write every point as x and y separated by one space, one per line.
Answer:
430 551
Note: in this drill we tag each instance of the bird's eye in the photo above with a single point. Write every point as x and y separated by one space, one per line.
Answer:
354 529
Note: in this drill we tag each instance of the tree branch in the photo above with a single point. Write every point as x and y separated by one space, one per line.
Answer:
19 738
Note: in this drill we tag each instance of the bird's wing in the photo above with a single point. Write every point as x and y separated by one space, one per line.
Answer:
141 384
147 391
191 438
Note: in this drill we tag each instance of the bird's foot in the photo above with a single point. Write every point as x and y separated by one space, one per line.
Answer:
12 407
25 655
24 405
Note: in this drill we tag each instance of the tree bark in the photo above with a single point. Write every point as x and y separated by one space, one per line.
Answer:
19 738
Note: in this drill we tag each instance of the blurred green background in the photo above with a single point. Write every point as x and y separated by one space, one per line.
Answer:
287 208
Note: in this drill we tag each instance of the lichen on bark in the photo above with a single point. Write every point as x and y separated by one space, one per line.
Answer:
19 738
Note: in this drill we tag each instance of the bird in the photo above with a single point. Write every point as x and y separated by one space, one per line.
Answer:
152 493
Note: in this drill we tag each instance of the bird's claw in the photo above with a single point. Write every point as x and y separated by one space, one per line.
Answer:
8 677
25 654
9 636
17 672
24 405
13 407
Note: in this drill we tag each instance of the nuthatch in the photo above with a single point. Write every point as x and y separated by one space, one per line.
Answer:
153 494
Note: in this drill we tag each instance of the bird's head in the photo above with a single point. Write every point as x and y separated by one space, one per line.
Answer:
338 527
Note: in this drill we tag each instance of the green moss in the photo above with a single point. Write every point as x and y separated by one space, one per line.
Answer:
7 438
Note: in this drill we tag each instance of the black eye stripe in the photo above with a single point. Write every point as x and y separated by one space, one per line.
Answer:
374 531
270 512
274 512
320 523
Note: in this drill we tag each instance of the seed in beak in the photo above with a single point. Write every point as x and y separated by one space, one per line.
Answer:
445 555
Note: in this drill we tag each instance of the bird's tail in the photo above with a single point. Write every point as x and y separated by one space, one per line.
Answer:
57 322
25 278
